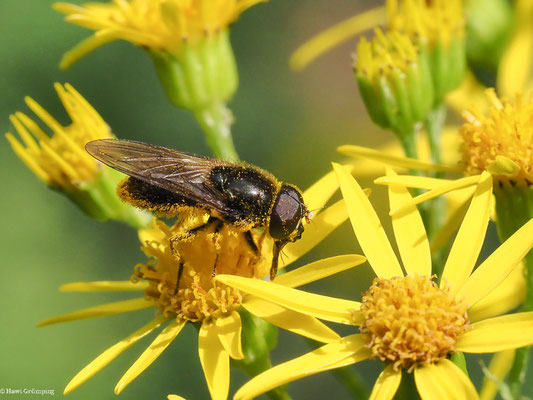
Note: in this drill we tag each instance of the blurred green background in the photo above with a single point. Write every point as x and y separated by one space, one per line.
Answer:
288 123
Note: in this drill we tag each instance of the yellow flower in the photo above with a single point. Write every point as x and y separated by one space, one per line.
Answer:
407 320
178 281
60 159
161 25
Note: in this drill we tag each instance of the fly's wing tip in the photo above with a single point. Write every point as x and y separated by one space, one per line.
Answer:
95 147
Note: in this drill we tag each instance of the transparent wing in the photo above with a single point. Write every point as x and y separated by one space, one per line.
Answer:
179 172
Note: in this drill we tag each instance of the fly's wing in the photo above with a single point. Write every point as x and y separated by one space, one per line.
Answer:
178 172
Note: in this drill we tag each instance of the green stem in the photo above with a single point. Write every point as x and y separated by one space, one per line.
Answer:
436 207
407 389
216 121
258 338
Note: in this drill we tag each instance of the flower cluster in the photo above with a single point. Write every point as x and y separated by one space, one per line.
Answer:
215 230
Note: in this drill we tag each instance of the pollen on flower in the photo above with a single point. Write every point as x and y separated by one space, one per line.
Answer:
60 158
430 21
156 24
411 321
185 258
507 131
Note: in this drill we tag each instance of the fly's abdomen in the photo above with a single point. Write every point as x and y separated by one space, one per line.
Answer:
144 195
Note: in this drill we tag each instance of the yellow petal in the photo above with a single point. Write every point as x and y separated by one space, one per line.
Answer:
409 232
323 307
175 397
513 331
392 160
101 286
292 321
444 381
318 194
229 333
444 188
498 265
308 364
412 181
367 227
118 307
515 65
214 360
326 40
110 354
387 384
319 269
320 227
467 244
507 296
499 367
85 47
159 345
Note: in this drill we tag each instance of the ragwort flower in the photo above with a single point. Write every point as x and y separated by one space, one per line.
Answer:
60 160
178 280
407 320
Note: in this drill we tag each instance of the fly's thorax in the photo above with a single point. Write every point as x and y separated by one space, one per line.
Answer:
286 215
248 192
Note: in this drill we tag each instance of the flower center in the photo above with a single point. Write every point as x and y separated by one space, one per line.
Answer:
186 257
410 321
507 131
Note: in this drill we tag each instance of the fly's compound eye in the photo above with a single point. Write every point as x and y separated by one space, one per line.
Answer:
287 212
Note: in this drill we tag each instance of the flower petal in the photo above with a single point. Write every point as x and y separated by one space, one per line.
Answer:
175 397
318 194
320 227
214 360
392 160
229 333
409 232
387 384
507 296
498 368
310 363
153 351
323 307
290 320
367 227
335 35
118 307
110 354
513 331
445 381
86 46
444 188
412 181
469 240
319 269
498 265
515 65
101 286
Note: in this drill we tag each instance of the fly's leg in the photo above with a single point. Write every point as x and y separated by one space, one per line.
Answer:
178 278
250 240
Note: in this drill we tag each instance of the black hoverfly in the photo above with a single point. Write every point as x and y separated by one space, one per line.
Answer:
166 181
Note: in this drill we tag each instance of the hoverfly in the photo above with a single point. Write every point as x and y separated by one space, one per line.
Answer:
166 181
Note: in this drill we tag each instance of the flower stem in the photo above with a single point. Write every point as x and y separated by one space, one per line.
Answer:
436 207
258 338
216 121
